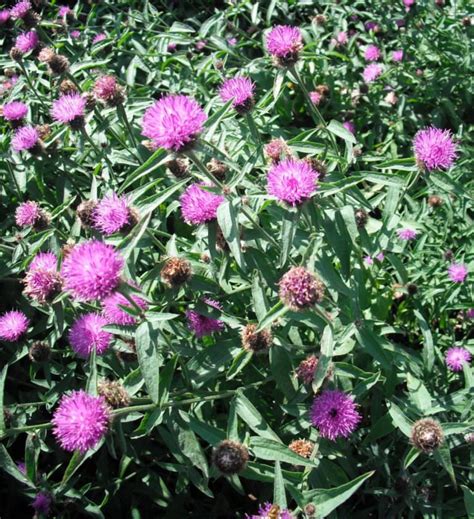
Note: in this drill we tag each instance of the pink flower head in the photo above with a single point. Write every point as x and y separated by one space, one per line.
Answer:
240 90
342 38
334 414
407 234
434 148
171 47
408 4
370 26
27 213
20 9
397 55
470 313
98 38
68 108
111 214
305 370
80 421
300 289
113 311
198 205
380 256
457 272
372 53
315 97
457 357
202 325
292 181
25 138
86 334
173 121
13 325
14 111
92 270
266 509
105 88
4 16
200 45
276 149
75 34
42 503
27 41
64 10
232 41
284 41
349 126
42 280
368 260
372 72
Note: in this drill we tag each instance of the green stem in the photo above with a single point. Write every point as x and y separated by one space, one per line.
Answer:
98 152
254 132
123 115
202 168
30 84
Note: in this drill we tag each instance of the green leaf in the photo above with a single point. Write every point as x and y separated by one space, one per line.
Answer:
327 348
418 394
75 462
288 230
91 386
373 346
10 467
32 449
443 456
279 494
338 129
266 449
260 303
280 364
400 420
279 310
227 219
468 501
428 346
149 359
3 375
249 414
238 364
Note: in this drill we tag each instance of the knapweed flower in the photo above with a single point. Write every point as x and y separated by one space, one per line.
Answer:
75 34
334 414
240 90
456 357
368 260
92 270
13 325
112 214
200 45
39 352
306 369
300 289
27 41
80 421
198 205
349 126
43 281
64 10
171 47
4 16
98 38
407 234
372 53
113 311
27 213
315 97
397 56
173 122
427 435
20 9
230 457
434 148
342 38
14 111
42 503
470 313
284 43
372 72
457 272
276 149
25 138
86 334
267 511
292 181
408 4
69 109
107 90
202 325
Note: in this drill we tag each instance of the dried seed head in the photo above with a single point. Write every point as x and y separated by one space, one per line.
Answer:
230 457
466 21
318 166
412 288
59 64
257 342
114 393
179 167
42 221
85 212
90 101
306 369
44 131
300 289
39 352
303 448
276 150
46 55
217 168
9 72
361 217
310 510
67 87
427 435
320 19
176 272
16 54
448 255
435 201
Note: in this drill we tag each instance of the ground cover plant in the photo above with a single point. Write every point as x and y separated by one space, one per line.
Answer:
236 258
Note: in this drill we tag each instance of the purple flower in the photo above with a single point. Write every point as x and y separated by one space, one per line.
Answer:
372 53
42 503
21 467
171 47
397 56
315 97
457 272
75 34
408 4
14 111
20 9
25 138
200 45
173 121
292 181
305 370
80 421
64 10
27 214
372 72
349 126
434 148
13 325
198 205
107 89
342 38
98 38
202 325
284 41
4 16
92 270
470 313
112 308
407 234
457 357
370 26
400 22
232 41
300 289
380 256
240 90
267 511
111 214
368 260
42 280
86 334
334 414
69 108
27 41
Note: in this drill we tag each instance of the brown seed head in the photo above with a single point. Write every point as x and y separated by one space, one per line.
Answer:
257 342
176 272
427 435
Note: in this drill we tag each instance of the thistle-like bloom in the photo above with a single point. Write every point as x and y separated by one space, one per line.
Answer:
427 434
80 421
372 72
342 38
456 357
284 41
407 234
13 325
397 56
42 503
292 181
202 325
434 148
198 205
86 334
230 457
75 34
315 97
43 281
107 90
30 213
27 41
240 90
334 414
457 272
372 53
408 4
64 10
306 369
99 37
25 138
300 289
173 122
92 270
112 214
69 109
268 510
14 111
470 313
113 311
20 9
4 16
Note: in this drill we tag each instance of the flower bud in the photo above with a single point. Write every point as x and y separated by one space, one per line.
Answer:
176 272
39 352
427 435
230 457
256 342
114 393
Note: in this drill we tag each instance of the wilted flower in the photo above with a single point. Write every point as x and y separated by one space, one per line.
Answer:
456 357
199 205
27 41
230 457
372 72
202 325
80 421
112 214
113 311
114 393
434 148
13 325
300 289
391 98
407 234
240 89
427 434
43 281
69 109
303 448
39 352
372 53
457 272
42 503
397 55
176 272
334 414
254 341
107 90
292 181
276 149
284 43
306 369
